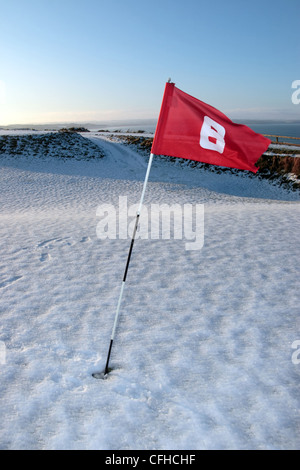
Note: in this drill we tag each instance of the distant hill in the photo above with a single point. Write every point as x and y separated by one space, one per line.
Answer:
88 125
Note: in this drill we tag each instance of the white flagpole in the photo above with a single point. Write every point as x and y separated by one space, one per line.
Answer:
106 371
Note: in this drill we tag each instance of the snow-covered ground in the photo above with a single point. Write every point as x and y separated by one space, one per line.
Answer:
203 356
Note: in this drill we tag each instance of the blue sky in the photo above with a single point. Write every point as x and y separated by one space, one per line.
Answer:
94 60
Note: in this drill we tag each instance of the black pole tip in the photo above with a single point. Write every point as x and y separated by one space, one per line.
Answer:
99 375
102 375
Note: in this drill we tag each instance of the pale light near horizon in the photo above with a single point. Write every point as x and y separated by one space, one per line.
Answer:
27 116
2 92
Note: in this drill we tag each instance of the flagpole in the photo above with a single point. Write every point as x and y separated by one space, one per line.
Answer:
106 371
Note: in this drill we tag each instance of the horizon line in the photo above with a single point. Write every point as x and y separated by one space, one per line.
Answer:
133 120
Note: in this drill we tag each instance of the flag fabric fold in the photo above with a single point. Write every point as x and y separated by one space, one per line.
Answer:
188 128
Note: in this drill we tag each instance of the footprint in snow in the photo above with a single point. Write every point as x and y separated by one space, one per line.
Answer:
85 239
9 281
55 241
45 257
48 242
51 243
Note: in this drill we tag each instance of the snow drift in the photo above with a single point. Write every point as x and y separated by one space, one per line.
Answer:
203 353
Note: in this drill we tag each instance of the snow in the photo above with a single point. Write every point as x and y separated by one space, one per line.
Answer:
202 358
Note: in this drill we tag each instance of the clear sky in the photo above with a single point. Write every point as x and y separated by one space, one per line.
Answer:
95 60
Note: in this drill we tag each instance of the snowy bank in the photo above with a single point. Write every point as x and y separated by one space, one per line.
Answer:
203 357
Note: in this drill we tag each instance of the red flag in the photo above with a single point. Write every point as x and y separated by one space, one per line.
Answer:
189 128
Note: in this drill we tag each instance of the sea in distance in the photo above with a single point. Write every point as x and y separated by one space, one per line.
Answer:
286 128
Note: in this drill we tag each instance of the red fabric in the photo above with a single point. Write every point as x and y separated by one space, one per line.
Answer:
189 128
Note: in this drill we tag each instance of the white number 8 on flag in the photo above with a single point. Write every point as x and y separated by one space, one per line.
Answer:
212 135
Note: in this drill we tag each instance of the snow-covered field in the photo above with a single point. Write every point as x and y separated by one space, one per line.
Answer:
203 356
